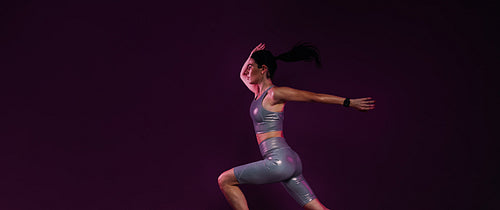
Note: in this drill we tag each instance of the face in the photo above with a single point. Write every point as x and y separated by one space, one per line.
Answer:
254 73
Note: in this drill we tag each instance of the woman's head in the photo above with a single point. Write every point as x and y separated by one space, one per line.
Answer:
265 59
255 74
301 51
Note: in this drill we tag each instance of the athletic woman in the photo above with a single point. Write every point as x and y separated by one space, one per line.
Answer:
280 163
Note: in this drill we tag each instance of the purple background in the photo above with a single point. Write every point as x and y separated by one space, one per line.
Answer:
138 105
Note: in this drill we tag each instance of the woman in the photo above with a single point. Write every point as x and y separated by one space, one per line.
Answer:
280 163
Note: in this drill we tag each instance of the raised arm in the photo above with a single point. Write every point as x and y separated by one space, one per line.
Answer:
284 94
244 70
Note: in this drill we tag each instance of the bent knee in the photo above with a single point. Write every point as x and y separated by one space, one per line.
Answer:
227 178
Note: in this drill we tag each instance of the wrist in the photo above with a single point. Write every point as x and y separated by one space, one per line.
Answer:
347 102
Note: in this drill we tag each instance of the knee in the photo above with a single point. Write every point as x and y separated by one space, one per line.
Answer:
221 179
227 178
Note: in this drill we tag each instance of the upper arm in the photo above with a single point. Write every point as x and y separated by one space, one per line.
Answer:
284 94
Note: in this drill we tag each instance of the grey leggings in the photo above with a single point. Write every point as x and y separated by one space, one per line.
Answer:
280 164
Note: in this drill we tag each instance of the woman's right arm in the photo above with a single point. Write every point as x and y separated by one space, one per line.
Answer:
244 70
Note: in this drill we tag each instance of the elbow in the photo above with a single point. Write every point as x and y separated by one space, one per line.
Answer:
243 77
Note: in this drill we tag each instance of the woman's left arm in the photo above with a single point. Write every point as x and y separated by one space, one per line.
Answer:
284 94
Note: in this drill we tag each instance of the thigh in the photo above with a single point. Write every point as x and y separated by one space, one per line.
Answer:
264 171
298 188
251 173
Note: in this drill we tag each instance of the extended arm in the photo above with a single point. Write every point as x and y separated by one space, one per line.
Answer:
284 94
244 69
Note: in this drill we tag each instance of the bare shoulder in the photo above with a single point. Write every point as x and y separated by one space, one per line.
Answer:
279 94
283 94
286 91
282 90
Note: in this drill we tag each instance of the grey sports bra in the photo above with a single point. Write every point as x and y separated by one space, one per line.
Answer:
263 120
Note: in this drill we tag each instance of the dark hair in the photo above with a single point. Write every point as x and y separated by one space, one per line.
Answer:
300 52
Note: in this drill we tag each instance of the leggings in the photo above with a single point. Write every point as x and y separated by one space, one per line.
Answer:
280 164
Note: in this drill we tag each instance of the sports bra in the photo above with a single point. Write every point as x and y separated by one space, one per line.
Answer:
263 120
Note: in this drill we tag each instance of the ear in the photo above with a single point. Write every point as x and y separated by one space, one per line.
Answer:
264 69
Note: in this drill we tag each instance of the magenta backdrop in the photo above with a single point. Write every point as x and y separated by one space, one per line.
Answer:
138 105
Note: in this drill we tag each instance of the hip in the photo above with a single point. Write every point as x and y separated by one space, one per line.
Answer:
273 145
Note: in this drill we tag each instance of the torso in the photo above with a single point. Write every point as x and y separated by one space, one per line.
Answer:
269 104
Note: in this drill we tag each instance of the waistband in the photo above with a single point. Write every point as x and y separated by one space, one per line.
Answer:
272 143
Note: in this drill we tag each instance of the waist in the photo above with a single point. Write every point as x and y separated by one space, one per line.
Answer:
264 136
267 145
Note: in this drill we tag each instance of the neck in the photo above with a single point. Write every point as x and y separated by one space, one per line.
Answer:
264 85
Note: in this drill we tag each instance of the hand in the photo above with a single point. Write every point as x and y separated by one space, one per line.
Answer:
261 46
363 104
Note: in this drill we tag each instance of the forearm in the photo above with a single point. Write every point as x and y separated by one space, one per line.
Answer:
261 46
328 99
245 66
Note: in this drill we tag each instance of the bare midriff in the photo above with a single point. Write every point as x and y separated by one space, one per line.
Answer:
263 136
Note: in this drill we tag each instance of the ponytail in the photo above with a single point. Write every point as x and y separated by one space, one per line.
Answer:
301 51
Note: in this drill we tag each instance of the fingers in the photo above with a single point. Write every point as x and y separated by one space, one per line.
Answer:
367 100
365 104
368 107
261 46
